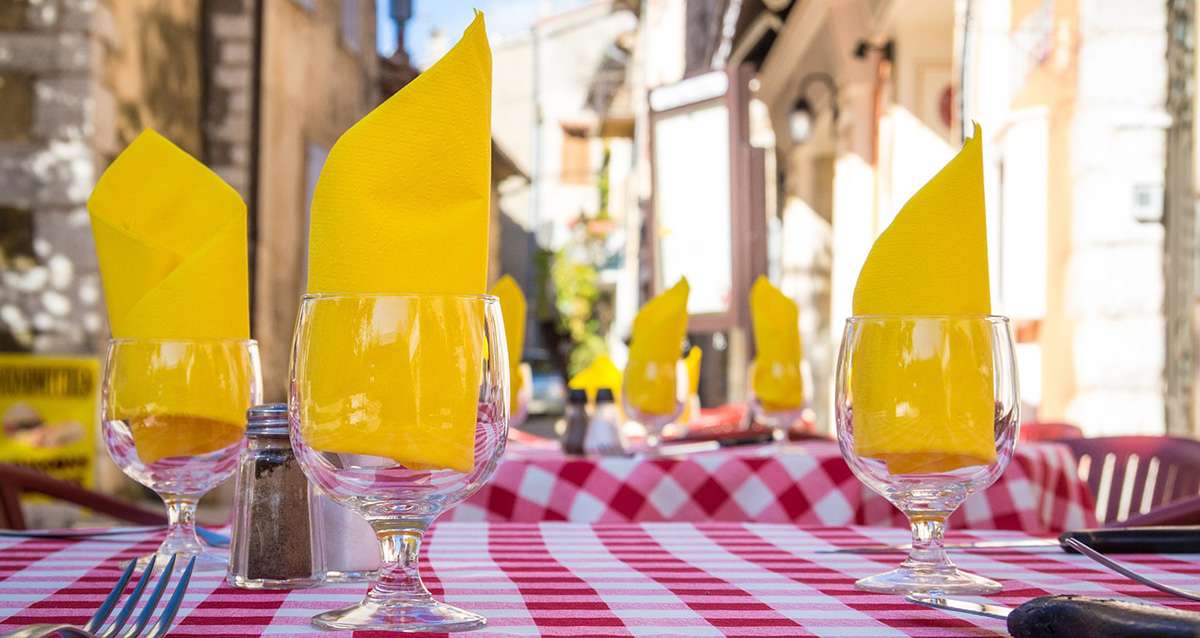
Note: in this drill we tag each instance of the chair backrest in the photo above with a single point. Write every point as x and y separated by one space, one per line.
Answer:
1049 430
1131 475
15 479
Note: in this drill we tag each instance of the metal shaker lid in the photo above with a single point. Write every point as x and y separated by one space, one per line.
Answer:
267 419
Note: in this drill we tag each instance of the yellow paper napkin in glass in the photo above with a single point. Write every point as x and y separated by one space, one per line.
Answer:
692 364
402 206
933 410
776 322
171 242
512 307
600 373
658 332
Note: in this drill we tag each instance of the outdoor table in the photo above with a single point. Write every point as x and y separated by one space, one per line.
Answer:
806 484
643 579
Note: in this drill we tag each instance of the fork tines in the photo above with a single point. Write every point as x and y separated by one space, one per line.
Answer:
113 629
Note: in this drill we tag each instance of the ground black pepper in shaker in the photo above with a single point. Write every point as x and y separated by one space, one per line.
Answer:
273 535
577 422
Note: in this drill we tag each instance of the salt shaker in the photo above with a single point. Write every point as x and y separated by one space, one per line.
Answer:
349 545
604 432
276 541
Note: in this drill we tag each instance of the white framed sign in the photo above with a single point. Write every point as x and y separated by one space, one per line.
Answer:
692 204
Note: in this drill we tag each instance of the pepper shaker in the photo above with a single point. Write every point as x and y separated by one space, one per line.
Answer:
577 422
276 538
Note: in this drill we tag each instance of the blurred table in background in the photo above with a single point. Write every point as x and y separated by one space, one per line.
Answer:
806 483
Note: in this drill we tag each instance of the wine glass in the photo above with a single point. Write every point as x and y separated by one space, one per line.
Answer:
927 414
780 418
652 394
399 410
174 420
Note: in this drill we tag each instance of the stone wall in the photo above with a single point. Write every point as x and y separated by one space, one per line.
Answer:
1115 272
49 283
315 84
229 50
79 80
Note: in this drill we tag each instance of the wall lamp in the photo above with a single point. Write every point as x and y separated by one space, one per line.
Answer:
801 118
887 50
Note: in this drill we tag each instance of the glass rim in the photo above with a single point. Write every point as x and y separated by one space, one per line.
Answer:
318 296
117 341
932 317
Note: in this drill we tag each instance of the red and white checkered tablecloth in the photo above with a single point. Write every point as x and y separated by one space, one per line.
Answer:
647 579
807 484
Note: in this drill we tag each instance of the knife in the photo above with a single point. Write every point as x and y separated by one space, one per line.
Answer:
214 539
1129 540
1070 615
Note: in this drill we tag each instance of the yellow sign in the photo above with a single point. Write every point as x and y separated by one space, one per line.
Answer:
48 408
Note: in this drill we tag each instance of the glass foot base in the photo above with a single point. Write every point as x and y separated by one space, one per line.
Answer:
206 561
431 616
363 576
908 580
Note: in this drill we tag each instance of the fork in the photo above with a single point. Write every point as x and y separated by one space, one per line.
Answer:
93 628
1080 547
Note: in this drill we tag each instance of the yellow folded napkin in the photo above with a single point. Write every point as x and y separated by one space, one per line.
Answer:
600 373
776 321
932 410
658 332
171 241
512 307
692 363
402 206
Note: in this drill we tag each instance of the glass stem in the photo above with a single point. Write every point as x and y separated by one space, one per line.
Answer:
399 577
928 532
181 526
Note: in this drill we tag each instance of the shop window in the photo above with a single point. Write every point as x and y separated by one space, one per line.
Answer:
16 239
576 155
16 107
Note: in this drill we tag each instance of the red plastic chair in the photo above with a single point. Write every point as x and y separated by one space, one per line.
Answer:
15 479
1049 431
1132 476
1184 512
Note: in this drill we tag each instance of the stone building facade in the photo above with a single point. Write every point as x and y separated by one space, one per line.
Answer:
259 90
319 75
78 80
1078 137
249 87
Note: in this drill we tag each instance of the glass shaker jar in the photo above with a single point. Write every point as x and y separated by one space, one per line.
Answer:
276 537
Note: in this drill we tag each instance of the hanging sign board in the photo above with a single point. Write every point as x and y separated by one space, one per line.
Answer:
48 409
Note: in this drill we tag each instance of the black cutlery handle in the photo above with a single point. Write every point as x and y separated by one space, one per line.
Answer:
1138 540
1083 617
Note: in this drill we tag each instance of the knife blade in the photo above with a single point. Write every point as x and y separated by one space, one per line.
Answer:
966 606
1067 615
893 549
1183 539
214 539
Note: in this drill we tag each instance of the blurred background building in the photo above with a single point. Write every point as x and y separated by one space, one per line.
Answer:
637 141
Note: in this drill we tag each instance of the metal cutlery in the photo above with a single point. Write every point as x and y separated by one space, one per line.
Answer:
1078 616
1129 540
99 627
215 539
1129 573
977 545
